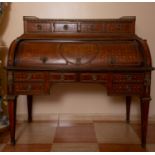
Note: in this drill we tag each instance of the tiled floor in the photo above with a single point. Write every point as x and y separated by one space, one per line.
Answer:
78 137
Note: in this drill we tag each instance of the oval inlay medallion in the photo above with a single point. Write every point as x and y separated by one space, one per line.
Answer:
78 53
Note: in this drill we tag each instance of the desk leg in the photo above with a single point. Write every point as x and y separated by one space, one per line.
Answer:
128 104
144 119
12 117
29 106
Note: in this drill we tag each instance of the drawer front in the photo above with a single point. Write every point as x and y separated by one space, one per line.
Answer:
91 77
107 27
28 88
136 78
63 77
127 89
65 27
29 76
38 27
90 27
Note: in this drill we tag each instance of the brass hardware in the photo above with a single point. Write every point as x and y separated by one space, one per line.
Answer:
39 27
129 77
65 27
128 88
29 88
94 77
62 77
44 59
112 60
29 76
147 82
78 60
118 27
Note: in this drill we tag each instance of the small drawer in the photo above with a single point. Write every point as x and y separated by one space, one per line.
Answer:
90 27
28 88
65 27
137 78
91 77
63 77
29 76
127 89
38 27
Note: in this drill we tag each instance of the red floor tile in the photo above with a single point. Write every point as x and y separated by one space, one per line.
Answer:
27 148
120 148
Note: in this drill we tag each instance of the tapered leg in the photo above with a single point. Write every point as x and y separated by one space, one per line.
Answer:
12 118
128 103
29 106
144 119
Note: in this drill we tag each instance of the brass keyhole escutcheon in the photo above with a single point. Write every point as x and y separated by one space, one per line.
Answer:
43 59
65 27
39 27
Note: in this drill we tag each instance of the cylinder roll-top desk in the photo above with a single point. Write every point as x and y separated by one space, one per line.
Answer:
105 51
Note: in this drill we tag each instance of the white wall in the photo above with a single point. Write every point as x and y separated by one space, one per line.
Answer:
78 98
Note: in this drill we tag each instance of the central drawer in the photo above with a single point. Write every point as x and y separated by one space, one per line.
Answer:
93 77
65 27
63 77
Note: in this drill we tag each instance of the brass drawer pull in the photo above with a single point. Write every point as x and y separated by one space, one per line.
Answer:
29 88
62 77
43 59
94 77
65 27
128 88
129 77
29 77
39 27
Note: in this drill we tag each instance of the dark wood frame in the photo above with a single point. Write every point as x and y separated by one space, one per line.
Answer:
79 31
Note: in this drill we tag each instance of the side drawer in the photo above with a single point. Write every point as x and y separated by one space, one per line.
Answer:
38 27
28 88
63 77
65 27
29 76
131 77
126 89
92 77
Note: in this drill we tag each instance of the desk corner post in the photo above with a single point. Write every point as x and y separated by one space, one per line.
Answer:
12 101
128 104
145 101
29 107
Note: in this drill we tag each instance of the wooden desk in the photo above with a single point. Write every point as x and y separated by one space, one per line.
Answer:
88 51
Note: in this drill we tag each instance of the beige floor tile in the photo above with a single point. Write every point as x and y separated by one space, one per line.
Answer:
150 147
75 147
2 147
75 118
64 123
75 134
27 148
121 133
37 133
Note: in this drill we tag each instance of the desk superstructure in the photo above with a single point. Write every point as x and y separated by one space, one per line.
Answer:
104 51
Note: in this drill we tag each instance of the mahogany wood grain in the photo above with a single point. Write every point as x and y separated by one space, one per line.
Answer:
105 51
